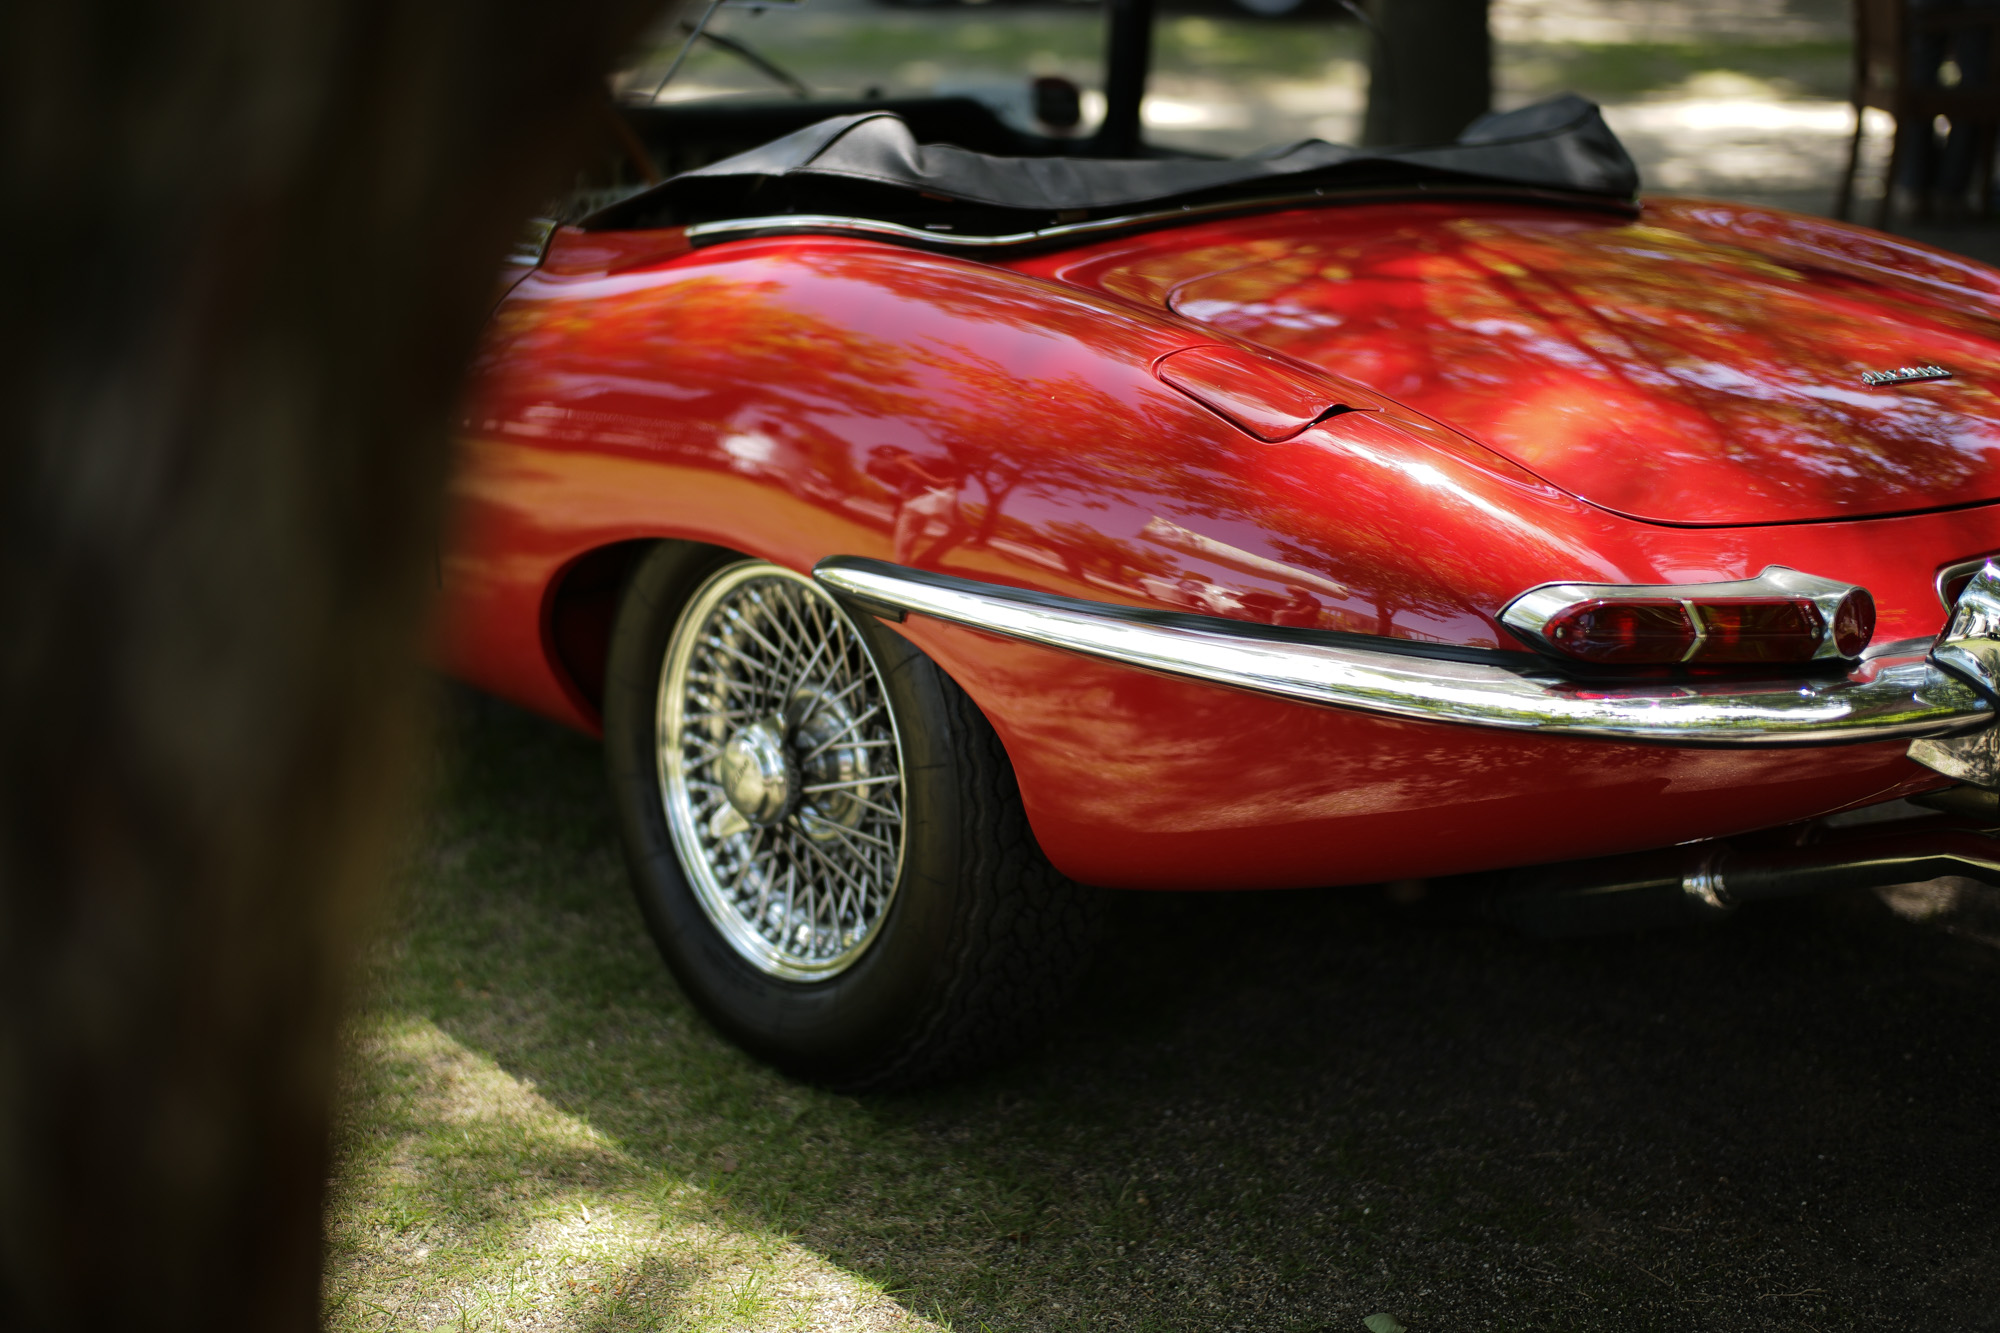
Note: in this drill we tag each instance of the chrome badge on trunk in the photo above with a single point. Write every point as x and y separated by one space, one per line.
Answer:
1905 375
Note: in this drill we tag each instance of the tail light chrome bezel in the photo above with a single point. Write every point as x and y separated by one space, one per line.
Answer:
1530 614
1960 573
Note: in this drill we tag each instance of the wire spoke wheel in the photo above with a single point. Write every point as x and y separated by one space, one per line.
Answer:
825 835
781 772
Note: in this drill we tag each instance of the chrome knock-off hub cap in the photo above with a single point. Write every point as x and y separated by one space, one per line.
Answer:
756 773
781 771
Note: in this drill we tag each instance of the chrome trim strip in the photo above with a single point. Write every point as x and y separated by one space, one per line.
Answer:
1530 613
1953 570
1973 759
533 241
714 233
1905 375
1970 644
1883 698
1970 649
1704 885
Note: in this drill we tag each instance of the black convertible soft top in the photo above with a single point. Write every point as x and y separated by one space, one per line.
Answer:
869 165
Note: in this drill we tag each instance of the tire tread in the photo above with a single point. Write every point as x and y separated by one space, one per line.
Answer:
1001 960
1021 944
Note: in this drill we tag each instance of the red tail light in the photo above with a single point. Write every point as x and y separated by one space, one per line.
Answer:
1854 622
1781 616
1623 631
1659 630
1758 631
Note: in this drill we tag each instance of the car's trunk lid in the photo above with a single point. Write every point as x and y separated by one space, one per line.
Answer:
1650 366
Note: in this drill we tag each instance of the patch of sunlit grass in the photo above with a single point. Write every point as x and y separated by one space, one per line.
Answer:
467 1200
536 1132
1260 1115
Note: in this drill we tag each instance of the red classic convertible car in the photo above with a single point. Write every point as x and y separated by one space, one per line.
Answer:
931 532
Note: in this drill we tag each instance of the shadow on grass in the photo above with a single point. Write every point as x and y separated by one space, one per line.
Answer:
1285 1111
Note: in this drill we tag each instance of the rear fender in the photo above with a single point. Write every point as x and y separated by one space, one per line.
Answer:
800 398
808 397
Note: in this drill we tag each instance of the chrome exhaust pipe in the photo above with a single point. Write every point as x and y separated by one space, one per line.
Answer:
1707 880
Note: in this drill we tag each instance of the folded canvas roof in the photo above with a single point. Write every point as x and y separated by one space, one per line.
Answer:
870 165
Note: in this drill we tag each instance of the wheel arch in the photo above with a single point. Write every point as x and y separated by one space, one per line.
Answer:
579 609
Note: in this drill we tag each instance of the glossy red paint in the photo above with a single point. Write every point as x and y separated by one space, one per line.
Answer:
1260 394
1137 781
1700 365
805 397
794 399
576 253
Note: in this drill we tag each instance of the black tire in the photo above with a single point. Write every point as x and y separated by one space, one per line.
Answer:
981 943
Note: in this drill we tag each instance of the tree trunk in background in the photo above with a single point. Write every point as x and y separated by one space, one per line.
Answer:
1430 70
249 245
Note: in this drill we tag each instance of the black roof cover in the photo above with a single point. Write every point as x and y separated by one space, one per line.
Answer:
869 165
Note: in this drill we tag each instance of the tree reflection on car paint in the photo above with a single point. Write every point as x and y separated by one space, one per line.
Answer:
797 398
1652 372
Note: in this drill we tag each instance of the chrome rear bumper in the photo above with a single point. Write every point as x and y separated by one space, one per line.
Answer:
1900 693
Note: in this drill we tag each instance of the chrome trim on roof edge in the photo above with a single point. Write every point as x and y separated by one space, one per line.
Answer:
1883 698
714 233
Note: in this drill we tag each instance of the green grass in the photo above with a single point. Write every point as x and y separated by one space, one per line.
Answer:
843 50
1624 70
1224 83
904 51
1267 1111
538 1132
1252 51
840 54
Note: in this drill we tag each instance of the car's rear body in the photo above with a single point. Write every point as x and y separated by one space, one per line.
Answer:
1695 365
936 519
1540 394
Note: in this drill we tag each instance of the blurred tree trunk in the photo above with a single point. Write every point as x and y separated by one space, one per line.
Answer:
1430 70
249 245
